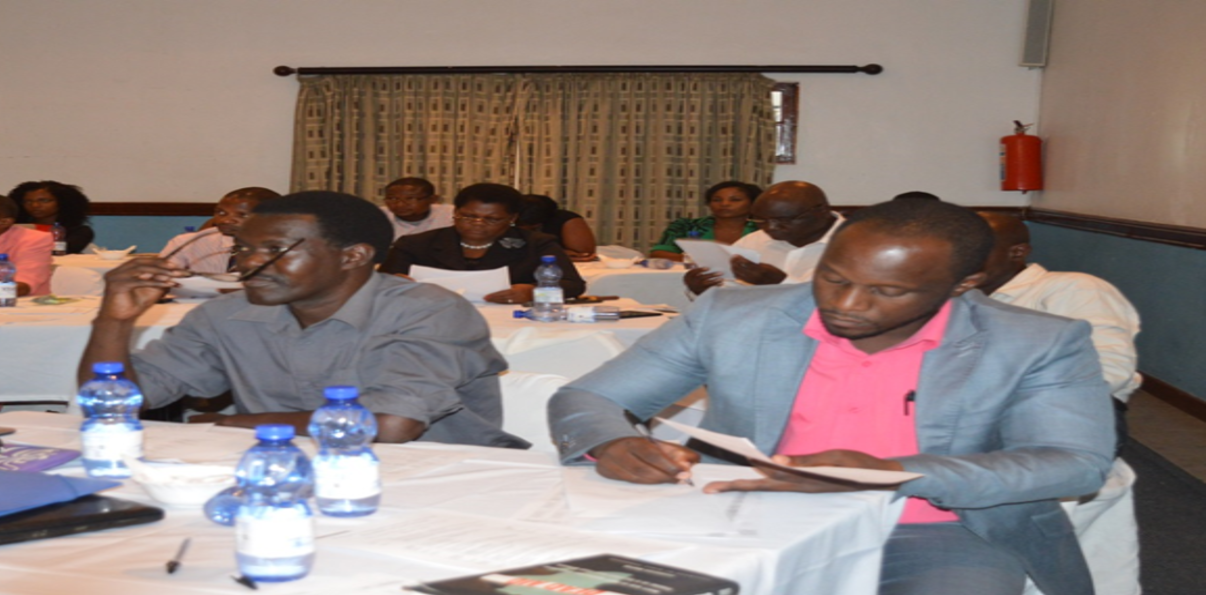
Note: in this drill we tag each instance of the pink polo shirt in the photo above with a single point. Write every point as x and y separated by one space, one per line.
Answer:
31 251
857 401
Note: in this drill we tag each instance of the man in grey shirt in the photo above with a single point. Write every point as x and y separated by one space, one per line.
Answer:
316 314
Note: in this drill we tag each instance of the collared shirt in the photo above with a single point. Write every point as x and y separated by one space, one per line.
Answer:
798 262
703 227
414 350
209 254
439 216
31 252
1084 297
853 400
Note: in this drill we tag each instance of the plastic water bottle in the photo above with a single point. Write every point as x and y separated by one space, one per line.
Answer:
224 506
60 238
111 430
592 313
274 524
548 299
347 478
8 282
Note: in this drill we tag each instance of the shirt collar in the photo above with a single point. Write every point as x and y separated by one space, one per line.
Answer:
1027 276
926 338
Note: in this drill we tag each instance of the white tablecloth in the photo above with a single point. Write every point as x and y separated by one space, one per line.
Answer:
88 261
40 346
647 286
769 543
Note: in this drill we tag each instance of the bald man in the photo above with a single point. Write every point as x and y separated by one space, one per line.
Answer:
794 226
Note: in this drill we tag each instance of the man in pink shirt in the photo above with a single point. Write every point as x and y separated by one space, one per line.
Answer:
30 250
887 360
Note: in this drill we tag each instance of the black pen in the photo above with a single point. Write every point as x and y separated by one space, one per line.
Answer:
642 428
174 564
910 397
245 581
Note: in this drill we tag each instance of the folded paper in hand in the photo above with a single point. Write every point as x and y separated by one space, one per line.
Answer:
472 285
24 490
716 256
745 448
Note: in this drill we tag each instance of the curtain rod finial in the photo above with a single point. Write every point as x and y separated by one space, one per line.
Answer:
284 70
869 69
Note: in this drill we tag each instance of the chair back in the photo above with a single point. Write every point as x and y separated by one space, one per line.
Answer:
67 280
525 398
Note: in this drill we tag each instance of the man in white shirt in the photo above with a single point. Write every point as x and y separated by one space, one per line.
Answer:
1105 522
410 205
210 253
795 224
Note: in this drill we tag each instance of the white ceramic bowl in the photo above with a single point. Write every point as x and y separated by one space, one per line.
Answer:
618 263
185 485
112 254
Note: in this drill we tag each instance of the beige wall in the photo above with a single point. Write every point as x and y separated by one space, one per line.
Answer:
1124 110
153 100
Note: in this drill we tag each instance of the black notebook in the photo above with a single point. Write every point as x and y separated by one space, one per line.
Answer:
88 513
604 573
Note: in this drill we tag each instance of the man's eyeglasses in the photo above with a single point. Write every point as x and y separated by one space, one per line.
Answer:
481 220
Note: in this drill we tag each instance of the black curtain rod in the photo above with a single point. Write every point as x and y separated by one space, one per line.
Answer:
304 70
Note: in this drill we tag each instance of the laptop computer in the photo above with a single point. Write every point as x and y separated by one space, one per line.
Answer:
88 513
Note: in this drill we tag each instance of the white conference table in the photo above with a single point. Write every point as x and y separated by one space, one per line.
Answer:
647 286
449 510
88 261
40 346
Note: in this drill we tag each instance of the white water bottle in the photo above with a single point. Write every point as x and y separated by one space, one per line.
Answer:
548 299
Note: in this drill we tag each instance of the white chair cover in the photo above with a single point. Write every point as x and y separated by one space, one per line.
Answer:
76 281
524 398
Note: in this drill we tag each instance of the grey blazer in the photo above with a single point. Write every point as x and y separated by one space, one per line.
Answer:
1012 411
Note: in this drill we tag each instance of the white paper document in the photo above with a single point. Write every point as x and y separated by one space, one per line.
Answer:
716 256
481 543
744 447
472 285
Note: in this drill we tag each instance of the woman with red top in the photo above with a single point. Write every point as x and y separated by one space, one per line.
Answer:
46 203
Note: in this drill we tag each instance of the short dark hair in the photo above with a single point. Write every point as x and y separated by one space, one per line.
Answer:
490 194
8 207
537 209
255 193
915 195
343 220
422 184
73 204
750 190
970 237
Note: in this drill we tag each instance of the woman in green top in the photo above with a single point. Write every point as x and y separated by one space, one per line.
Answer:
730 204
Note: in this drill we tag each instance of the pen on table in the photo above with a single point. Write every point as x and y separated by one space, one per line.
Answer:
245 581
174 563
642 428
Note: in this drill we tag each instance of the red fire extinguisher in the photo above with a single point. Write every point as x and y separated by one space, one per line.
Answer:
1021 160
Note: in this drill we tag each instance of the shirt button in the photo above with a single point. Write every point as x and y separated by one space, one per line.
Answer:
854 410
866 364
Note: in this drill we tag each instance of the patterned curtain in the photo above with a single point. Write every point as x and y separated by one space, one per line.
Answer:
632 152
356 134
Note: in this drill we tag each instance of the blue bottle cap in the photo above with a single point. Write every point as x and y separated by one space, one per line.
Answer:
340 393
274 432
519 314
3 257
548 259
108 368
189 229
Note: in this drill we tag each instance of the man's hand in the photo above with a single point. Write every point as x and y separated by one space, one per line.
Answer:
699 279
135 286
756 274
577 256
520 293
778 480
641 460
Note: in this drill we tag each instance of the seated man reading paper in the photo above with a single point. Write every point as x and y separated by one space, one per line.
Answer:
888 360
312 314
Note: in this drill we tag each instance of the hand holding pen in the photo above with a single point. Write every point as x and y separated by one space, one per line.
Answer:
644 459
